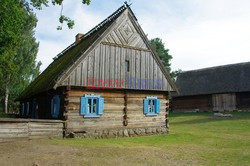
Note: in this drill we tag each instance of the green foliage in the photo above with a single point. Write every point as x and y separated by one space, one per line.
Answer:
18 49
174 74
70 23
12 20
87 2
164 55
162 52
38 3
63 19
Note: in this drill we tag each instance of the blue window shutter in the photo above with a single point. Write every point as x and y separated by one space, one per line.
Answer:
57 103
55 106
157 106
84 105
100 105
145 106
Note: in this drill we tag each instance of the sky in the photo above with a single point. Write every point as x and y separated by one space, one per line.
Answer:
198 33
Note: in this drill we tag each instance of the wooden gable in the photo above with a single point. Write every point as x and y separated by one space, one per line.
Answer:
103 64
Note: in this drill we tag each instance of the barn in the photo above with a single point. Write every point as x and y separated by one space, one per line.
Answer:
221 88
108 83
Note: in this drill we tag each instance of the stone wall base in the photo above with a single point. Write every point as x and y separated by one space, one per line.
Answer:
115 133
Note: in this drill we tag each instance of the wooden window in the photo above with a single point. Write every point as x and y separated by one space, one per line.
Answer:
92 106
55 106
151 106
127 65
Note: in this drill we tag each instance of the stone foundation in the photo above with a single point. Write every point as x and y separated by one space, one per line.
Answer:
115 133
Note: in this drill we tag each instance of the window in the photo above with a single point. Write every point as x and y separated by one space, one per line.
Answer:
55 106
127 65
151 106
92 106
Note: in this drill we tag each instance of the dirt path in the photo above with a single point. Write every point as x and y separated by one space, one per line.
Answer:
44 153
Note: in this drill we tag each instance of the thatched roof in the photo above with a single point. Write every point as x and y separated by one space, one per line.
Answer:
220 79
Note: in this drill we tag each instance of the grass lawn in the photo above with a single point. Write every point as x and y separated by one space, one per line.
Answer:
194 139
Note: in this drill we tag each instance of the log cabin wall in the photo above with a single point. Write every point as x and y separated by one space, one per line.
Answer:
201 103
111 123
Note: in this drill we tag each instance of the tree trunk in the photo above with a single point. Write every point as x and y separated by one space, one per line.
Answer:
6 99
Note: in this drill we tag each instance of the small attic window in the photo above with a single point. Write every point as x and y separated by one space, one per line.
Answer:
127 65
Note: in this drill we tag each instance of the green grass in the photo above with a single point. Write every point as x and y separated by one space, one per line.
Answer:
194 139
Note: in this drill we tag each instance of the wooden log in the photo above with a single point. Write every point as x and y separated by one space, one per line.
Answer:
104 94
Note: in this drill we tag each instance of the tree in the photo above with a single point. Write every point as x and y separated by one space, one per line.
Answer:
18 49
164 55
70 23
174 74
162 52
27 67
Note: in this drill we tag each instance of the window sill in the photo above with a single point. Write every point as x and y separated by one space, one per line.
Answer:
92 116
151 114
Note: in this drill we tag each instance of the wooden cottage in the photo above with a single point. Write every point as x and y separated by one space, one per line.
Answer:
222 88
109 82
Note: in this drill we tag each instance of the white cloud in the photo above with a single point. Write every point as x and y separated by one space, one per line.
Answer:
53 41
198 33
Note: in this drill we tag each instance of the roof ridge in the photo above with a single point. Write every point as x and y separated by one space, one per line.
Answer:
97 27
215 67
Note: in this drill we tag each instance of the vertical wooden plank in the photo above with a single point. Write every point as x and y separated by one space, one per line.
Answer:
107 61
68 80
84 72
132 71
159 77
151 71
81 74
118 63
78 75
122 71
143 69
90 65
147 70
111 63
72 78
155 75
97 63
138 69
103 62
128 74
